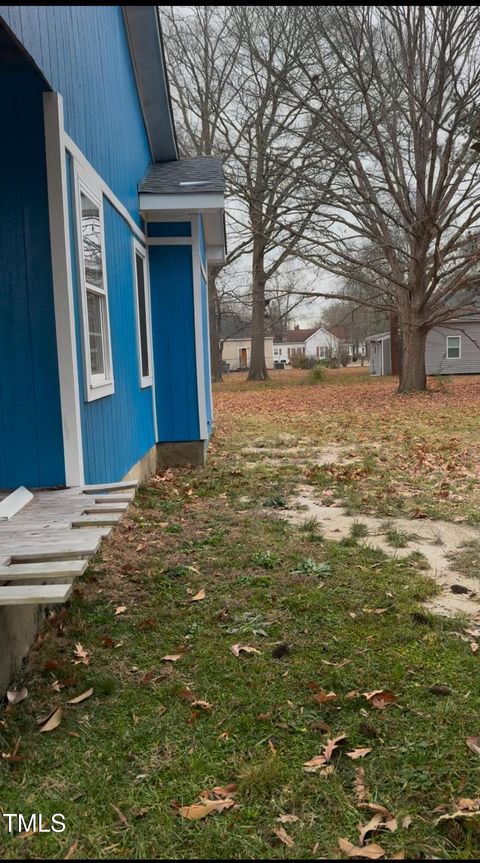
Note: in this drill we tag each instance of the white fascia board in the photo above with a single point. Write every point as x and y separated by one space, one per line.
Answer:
197 202
216 254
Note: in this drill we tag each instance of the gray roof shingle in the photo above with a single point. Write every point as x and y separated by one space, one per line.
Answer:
185 176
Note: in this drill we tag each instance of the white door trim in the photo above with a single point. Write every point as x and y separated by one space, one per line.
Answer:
199 341
63 288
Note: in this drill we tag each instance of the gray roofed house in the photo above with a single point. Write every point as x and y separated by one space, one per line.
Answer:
452 348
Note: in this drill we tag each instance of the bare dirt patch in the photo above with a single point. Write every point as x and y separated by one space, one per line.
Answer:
436 540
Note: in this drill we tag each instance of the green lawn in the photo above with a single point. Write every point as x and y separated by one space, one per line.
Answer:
324 616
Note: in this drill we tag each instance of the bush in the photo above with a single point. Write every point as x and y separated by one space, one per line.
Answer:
318 374
299 361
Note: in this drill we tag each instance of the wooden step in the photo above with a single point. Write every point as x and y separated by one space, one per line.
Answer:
109 486
112 507
101 520
56 551
52 569
42 594
114 498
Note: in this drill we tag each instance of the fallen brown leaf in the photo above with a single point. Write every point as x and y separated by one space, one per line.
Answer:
324 697
358 753
374 824
16 696
82 697
380 698
331 745
288 819
314 764
376 807
473 743
362 792
264 717
237 649
198 596
283 836
203 705
173 657
371 852
120 609
406 822
468 804
81 654
207 807
53 721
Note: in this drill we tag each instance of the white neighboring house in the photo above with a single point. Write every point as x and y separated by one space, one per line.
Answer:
316 343
237 353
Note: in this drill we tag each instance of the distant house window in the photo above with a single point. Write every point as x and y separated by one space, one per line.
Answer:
275 351
280 352
288 350
142 303
318 352
453 347
94 297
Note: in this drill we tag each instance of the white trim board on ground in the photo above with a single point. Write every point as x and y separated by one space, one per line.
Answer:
14 502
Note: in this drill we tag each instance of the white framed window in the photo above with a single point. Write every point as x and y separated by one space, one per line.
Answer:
97 349
454 347
142 306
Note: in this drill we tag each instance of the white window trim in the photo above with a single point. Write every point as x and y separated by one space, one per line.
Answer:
96 386
138 249
459 347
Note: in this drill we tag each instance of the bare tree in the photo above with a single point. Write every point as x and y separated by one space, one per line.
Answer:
229 103
201 57
395 96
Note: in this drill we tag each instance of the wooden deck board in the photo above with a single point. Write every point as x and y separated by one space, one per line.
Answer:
50 569
42 594
53 537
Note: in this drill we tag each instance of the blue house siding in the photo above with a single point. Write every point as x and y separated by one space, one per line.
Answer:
31 441
83 53
173 325
117 430
169 229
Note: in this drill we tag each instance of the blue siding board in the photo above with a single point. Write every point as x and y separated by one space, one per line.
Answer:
31 442
83 53
169 229
173 324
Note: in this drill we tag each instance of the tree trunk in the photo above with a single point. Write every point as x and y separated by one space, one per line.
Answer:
214 325
394 344
413 376
258 367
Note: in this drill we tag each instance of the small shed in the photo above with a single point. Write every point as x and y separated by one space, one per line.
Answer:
380 354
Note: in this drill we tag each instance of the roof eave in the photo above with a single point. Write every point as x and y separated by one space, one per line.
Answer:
144 34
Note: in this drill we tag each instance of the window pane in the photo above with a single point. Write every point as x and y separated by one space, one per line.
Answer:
453 347
142 315
95 333
91 242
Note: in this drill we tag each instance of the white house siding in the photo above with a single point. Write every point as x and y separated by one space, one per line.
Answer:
437 361
318 345
232 352
326 343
